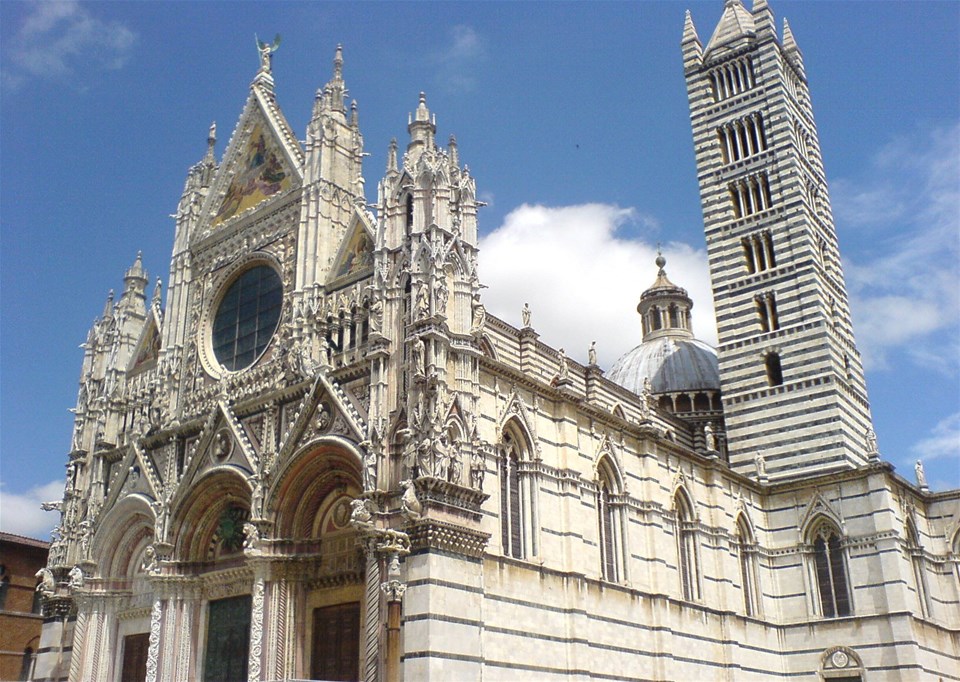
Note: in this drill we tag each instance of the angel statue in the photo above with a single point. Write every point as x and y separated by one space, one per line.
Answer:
266 51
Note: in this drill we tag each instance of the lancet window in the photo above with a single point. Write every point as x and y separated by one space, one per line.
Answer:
916 560
515 513
747 559
688 558
830 572
742 138
732 78
609 524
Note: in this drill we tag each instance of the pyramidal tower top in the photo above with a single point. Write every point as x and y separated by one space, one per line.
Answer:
792 378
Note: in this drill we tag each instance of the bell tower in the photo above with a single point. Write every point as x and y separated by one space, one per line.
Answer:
793 386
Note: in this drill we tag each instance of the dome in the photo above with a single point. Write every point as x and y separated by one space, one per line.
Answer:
673 365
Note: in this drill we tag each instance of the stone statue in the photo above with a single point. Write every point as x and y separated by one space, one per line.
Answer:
251 537
266 51
710 439
376 314
564 367
871 440
479 315
360 515
423 301
478 468
592 353
150 564
921 475
416 353
47 587
409 504
525 315
76 578
440 295
761 465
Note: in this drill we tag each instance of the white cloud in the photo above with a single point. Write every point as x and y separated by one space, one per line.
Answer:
943 441
457 61
581 279
905 285
57 39
20 513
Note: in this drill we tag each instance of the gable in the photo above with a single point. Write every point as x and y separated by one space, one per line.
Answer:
262 162
147 350
355 257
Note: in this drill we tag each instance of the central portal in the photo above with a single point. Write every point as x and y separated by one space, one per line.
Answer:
336 642
228 640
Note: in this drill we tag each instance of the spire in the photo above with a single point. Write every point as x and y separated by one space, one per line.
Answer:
108 306
392 156
454 152
421 125
136 275
335 90
763 19
689 30
791 49
157 293
211 143
736 24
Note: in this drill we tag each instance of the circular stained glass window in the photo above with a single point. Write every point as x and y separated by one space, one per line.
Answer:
247 317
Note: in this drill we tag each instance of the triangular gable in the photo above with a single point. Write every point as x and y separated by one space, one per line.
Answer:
147 350
263 162
299 425
136 475
355 257
223 442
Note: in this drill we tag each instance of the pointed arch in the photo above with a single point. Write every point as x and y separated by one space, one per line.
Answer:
302 488
122 535
688 550
618 411
746 545
198 514
518 523
610 518
829 568
914 551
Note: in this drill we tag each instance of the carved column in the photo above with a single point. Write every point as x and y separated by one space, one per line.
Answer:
256 626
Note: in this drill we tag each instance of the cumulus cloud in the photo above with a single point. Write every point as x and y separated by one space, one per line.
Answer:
20 513
458 59
582 279
943 442
58 39
905 286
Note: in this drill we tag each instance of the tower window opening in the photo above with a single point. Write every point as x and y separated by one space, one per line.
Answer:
767 310
731 79
511 520
774 370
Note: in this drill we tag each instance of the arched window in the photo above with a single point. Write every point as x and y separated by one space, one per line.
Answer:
747 558
831 573
610 528
26 664
687 551
915 554
511 511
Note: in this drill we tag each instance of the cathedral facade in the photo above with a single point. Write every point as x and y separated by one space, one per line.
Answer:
321 458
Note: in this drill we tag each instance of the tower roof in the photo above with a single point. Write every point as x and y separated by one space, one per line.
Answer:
735 23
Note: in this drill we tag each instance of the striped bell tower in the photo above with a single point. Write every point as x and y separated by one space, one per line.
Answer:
794 395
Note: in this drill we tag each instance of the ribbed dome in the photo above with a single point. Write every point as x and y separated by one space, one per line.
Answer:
672 364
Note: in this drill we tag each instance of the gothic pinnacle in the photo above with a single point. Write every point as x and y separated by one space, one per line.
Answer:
211 140
392 156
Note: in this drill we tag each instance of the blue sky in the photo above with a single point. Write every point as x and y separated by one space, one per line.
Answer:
572 117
